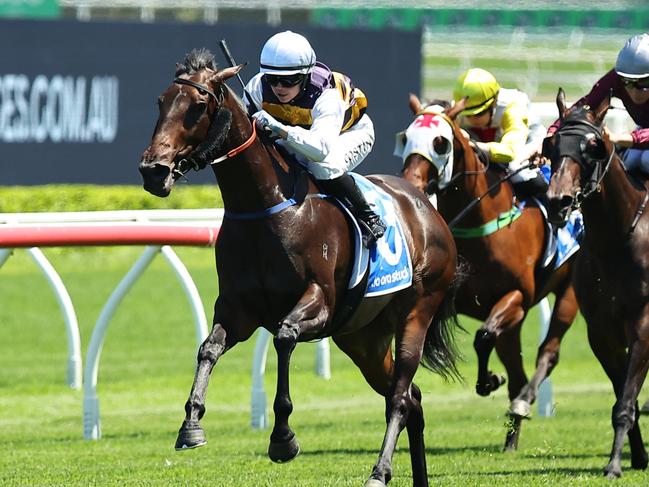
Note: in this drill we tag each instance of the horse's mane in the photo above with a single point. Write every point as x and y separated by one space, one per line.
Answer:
196 60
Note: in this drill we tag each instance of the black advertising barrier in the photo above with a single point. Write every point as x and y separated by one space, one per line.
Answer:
78 100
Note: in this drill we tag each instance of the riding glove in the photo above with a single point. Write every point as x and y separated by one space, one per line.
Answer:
266 120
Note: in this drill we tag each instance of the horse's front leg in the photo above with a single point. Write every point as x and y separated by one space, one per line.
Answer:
309 314
219 340
505 314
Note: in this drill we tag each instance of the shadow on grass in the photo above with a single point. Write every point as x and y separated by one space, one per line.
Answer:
566 471
429 451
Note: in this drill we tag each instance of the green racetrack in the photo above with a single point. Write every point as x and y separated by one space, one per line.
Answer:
146 371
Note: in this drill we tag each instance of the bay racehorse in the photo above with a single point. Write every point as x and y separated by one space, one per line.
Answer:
283 258
612 271
503 247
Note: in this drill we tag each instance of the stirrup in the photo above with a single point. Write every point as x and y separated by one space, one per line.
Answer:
372 229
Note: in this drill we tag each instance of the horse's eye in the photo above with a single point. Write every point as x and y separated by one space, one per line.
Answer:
441 146
194 113
586 142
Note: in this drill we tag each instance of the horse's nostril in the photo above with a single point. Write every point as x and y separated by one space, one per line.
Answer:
153 171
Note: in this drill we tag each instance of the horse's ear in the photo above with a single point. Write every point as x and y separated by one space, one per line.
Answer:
561 103
603 107
228 73
414 103
455 110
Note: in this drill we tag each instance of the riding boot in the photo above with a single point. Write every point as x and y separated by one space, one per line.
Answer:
345 189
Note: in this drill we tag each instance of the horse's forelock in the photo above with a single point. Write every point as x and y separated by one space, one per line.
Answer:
196 60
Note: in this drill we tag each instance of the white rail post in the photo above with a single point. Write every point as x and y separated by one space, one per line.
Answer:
323 360
91 416
91 421
74 367
258 410
4 255
200 321
545 388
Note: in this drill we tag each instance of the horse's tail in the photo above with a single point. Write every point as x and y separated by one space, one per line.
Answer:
440 352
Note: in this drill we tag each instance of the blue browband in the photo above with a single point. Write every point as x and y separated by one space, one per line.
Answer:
257 215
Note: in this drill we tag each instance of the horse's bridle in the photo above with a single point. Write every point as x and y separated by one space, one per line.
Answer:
186 164
202 88
578 134
456 176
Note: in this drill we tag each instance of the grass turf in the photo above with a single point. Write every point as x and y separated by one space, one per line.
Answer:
146 370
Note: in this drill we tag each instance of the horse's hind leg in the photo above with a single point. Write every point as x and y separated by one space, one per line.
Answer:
563 315
403 398
506 313
310 314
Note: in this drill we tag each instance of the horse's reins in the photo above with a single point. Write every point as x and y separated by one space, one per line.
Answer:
218 100
237 150
477 200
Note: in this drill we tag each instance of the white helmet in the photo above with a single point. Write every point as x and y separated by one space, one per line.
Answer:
633 59
286 53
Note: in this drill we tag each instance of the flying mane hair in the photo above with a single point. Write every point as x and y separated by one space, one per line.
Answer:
196 60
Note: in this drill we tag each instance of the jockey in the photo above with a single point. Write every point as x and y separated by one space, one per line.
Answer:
318 116
628 81
502 127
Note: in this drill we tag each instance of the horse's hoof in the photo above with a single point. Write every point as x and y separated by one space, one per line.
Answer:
521 408
374 483
640 463
612 471
493 382
190 435
283 452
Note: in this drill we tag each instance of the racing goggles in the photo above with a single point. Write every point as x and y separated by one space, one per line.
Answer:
641 84
285 81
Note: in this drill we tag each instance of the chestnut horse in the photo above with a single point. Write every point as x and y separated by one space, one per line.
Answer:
612 271
505 281
283 258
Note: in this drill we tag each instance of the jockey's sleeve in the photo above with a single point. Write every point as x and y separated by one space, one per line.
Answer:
327 115
514 134
597 94
640 138
254 94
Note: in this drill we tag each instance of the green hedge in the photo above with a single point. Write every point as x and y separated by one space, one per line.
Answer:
20 199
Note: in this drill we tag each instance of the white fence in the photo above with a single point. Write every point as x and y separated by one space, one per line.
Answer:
156 227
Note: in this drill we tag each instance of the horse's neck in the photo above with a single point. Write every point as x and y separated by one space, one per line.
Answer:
610 211
253 180
470 187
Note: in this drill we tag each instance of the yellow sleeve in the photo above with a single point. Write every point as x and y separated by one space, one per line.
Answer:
514 126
